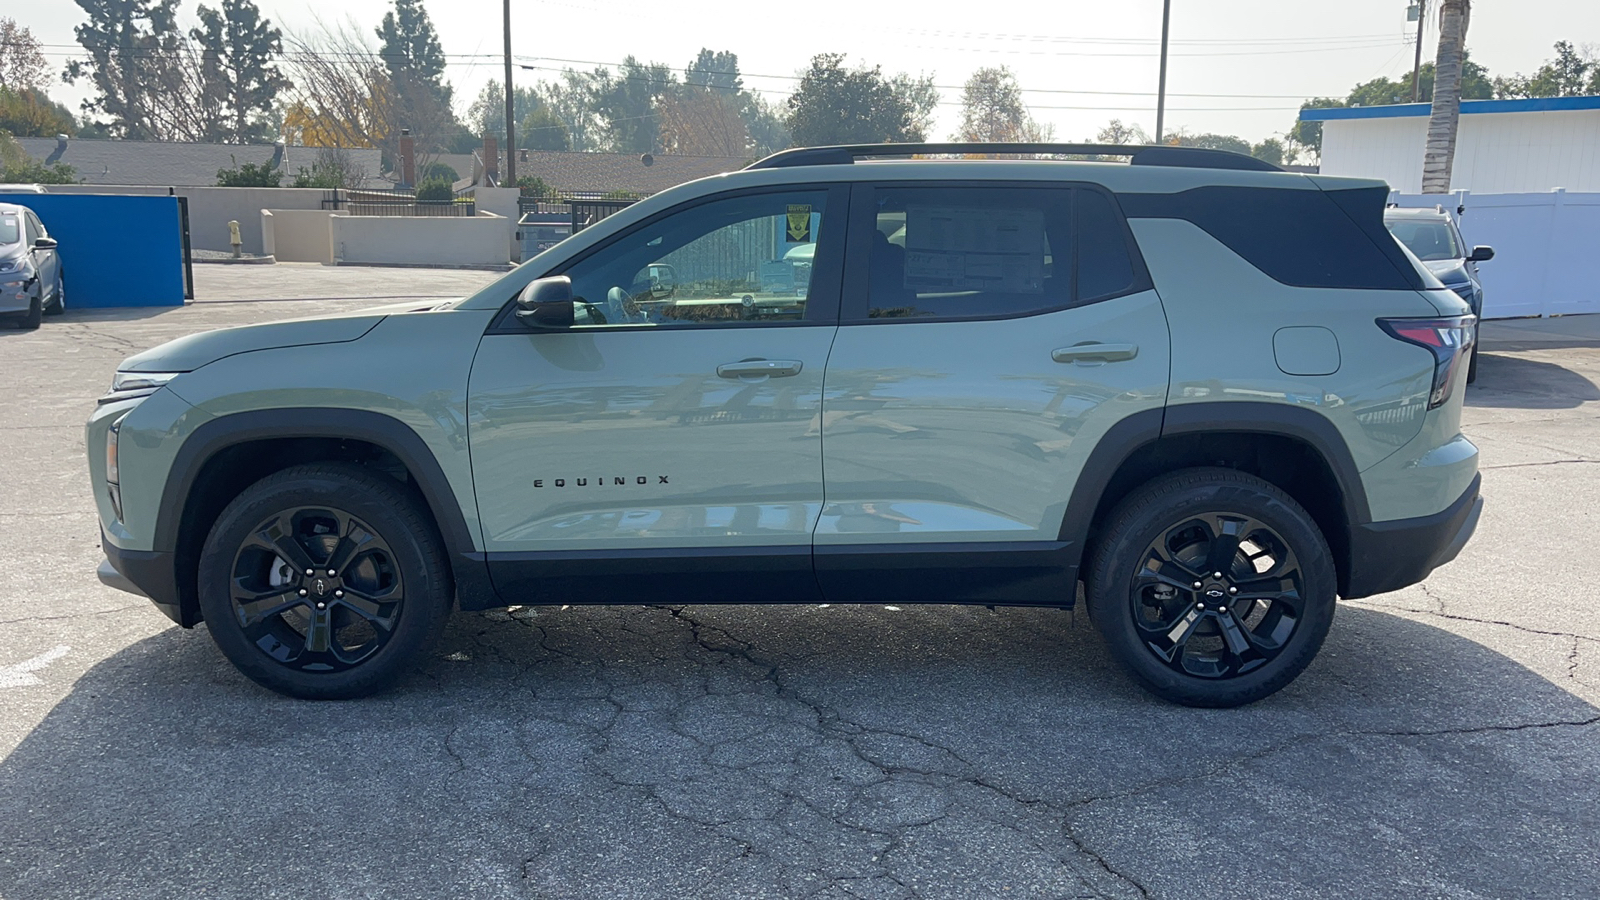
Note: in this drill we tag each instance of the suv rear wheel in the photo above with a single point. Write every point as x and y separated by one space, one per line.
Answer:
1213 587
324 582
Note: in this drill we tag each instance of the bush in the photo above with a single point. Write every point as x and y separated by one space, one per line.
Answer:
438 171
250 175
532 186
435 191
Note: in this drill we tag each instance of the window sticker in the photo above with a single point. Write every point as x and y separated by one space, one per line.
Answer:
799 231
951 248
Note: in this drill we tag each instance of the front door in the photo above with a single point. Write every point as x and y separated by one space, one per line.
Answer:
673 437
992 336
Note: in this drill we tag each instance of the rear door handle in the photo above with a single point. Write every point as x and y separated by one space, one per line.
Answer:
756 368
1093 352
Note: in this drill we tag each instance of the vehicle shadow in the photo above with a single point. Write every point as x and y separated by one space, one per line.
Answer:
750 751
1518 382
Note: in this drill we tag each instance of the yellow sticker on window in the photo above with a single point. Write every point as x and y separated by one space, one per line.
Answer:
799 223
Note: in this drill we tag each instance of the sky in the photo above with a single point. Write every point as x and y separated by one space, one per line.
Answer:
1235 67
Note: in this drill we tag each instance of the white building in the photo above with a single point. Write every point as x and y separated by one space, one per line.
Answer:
1502 146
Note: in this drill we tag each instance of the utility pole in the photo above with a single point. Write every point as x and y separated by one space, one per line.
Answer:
1416 66
1161 91
511 121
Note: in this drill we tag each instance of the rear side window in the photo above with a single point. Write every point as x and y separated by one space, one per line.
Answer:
986 252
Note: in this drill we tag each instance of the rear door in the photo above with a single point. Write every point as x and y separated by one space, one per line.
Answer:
993 334
671 441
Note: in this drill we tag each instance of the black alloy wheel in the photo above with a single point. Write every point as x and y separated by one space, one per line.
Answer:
325 581
1217 595
1212 587
315 589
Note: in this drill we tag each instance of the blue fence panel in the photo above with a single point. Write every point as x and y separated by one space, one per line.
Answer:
116 250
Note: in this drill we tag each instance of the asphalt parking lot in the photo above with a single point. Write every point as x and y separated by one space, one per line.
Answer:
1446 743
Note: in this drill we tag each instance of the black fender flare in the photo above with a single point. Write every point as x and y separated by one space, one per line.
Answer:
374 428
1130 434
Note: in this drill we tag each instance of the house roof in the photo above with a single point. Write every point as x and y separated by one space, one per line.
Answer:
169 164
1468 107
606 172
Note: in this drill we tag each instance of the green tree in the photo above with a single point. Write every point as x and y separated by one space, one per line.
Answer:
764 123
1227 142
132 46
249 175
414 61
541 130
715 71
627 102
1570 73
1270 150
239 79
991 107
835 105
29 113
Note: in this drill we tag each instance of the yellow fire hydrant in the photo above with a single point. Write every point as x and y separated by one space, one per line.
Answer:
234 239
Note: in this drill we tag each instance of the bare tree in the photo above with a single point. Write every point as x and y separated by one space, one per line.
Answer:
22 63
1439 156
697 121
343 96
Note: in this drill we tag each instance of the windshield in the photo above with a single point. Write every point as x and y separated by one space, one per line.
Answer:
1429 239
10 229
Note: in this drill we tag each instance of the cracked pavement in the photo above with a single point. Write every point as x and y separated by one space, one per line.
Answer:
1446 742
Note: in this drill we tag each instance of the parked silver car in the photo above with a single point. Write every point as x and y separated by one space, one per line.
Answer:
31 280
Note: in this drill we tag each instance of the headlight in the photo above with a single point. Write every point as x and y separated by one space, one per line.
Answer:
1464 289
127 385
7 267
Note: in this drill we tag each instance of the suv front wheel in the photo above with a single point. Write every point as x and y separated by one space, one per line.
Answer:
324 582
1213 587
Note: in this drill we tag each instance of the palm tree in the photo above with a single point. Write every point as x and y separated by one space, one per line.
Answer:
1440 152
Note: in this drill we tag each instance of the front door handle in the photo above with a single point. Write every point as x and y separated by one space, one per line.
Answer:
756 368
1092 352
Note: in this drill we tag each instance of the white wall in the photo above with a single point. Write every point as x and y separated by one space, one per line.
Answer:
1544 246
297 235
421 240
1496 153
501 202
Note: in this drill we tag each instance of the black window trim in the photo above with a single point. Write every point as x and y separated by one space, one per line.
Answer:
830 276
854 301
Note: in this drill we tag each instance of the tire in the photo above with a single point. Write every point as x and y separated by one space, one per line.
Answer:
1472 365
1225 654
58 303
33 317
384 607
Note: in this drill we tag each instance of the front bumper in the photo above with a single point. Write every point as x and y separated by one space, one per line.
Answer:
1387 556
148 573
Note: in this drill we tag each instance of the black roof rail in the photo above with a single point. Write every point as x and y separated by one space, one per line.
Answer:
1139 154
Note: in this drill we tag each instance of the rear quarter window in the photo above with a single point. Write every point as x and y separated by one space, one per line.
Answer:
1302 238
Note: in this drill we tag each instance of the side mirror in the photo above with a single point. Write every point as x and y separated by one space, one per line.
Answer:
546 303
1481 253
45 243
663 281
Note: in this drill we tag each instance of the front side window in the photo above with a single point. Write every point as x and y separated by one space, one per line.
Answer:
958 252
10 230
744 260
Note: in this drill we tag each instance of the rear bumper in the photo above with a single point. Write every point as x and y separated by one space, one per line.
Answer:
1387 556
148 573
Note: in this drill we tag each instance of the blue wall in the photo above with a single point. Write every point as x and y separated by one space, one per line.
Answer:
116 250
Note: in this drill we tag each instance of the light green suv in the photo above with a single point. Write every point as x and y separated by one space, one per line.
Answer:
1215 394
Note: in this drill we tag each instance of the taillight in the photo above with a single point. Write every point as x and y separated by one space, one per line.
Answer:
1449 340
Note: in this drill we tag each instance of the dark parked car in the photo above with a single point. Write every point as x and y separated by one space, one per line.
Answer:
1432 236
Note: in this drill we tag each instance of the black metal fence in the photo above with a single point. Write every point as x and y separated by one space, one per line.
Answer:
581 209
394 203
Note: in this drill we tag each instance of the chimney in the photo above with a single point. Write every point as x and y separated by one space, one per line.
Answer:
277 155
61 147
491 159
407 160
